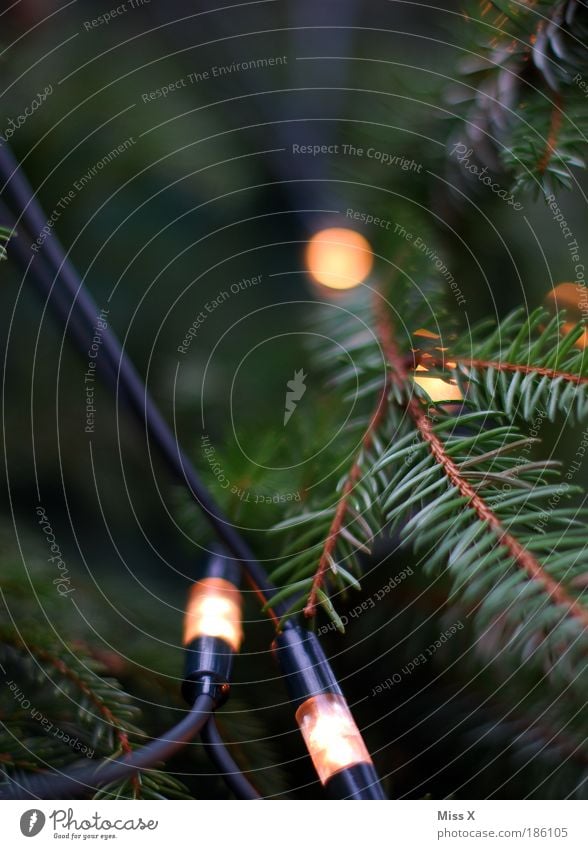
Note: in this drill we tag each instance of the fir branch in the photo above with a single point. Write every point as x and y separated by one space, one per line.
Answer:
319 542
449 481
108 706
337 527
111 703
531 58
521 555
153 784
518 366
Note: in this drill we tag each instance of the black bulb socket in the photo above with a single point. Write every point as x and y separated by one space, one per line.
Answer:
208 665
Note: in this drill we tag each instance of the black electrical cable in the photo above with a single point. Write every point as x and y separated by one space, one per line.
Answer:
79 781
43 278
53 785
219 755
70 300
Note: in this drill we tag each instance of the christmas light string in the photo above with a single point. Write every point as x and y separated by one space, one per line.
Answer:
332 738
55 276
212 633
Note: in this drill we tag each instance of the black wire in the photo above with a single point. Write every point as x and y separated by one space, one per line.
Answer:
221 758
43 278
78 781
71 301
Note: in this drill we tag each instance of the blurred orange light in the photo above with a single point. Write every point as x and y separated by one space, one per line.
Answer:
331 735
573 298
339 258
437 389
426 334
214 610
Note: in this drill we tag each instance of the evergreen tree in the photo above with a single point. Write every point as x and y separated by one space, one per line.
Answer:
434 453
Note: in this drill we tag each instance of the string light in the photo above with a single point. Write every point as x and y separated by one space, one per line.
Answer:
423 333
339 258
212 630
332 738
214 610
573 298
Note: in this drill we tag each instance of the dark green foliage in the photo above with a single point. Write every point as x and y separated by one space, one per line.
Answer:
532 503
527 103
403 486
58 702
518 350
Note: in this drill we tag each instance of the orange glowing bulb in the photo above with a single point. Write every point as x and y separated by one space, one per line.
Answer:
573 298
331 735
339 258
426 334
214 610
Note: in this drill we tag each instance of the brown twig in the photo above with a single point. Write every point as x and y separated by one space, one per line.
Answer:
552 138
511 367
343 504
103 709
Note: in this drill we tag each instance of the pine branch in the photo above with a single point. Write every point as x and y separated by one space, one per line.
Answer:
320 527
519 366
104 694
472 499
110 703
526 109
497 365
63 703
153 784
547 142
458 484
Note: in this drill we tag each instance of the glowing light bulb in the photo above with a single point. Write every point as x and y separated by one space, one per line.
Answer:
214 610
437 389
573 298
331 735
339 258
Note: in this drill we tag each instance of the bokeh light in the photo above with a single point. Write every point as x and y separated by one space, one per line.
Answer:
573 298
436 388
339 258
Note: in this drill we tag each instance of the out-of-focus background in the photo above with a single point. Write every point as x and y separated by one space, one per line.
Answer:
168 141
